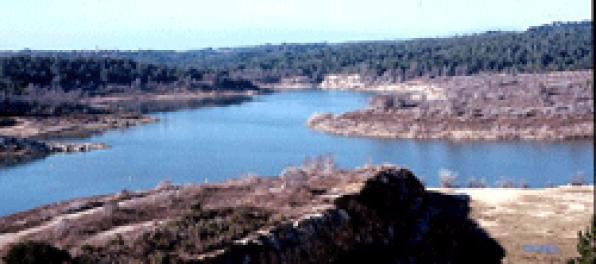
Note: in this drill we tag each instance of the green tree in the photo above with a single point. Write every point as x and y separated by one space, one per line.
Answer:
586 245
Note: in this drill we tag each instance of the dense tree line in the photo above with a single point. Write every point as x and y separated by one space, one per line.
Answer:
553 47
101 75
87 74
36 85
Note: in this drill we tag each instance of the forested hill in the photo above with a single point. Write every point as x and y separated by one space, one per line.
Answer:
554 47
94 75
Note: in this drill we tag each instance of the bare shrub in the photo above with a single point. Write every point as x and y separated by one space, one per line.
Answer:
505 183
196 233
249 177
53 96
294 177
524 184
164 185
368 163
476 183
322 164
123 194
447 178
62 227
578 179
110 208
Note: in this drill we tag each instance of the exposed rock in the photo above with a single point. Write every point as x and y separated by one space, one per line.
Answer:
20 150
343 81
417 89
75 147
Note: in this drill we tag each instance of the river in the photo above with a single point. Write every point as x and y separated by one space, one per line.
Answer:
263 137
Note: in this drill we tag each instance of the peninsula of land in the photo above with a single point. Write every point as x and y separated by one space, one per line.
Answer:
546 106
26 137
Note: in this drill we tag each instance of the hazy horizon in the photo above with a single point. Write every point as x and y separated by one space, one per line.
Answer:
190 25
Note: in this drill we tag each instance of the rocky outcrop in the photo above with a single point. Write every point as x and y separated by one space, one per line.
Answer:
20 150
343 81
392 219
356 220
551 106
418 89
359 82
59 147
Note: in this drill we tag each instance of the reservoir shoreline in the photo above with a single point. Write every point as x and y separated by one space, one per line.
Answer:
267 134
31 138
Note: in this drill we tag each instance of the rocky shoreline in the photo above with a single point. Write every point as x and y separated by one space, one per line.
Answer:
552 106
309 214
27 138
352 126
15 151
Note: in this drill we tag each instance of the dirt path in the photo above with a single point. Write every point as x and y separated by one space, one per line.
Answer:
109 234
10 238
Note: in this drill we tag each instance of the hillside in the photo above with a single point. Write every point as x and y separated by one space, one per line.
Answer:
553 47
314 214
309 214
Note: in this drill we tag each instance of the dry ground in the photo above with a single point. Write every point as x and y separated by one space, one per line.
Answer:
533 225
549 106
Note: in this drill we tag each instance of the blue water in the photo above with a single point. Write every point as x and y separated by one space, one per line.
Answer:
265 136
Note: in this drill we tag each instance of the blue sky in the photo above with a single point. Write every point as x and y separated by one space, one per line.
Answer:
192 24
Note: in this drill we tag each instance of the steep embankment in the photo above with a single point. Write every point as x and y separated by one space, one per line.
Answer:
312 214
557 105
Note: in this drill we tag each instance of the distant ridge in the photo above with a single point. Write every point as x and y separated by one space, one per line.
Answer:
552 47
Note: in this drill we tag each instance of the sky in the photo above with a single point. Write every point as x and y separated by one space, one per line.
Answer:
195 24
